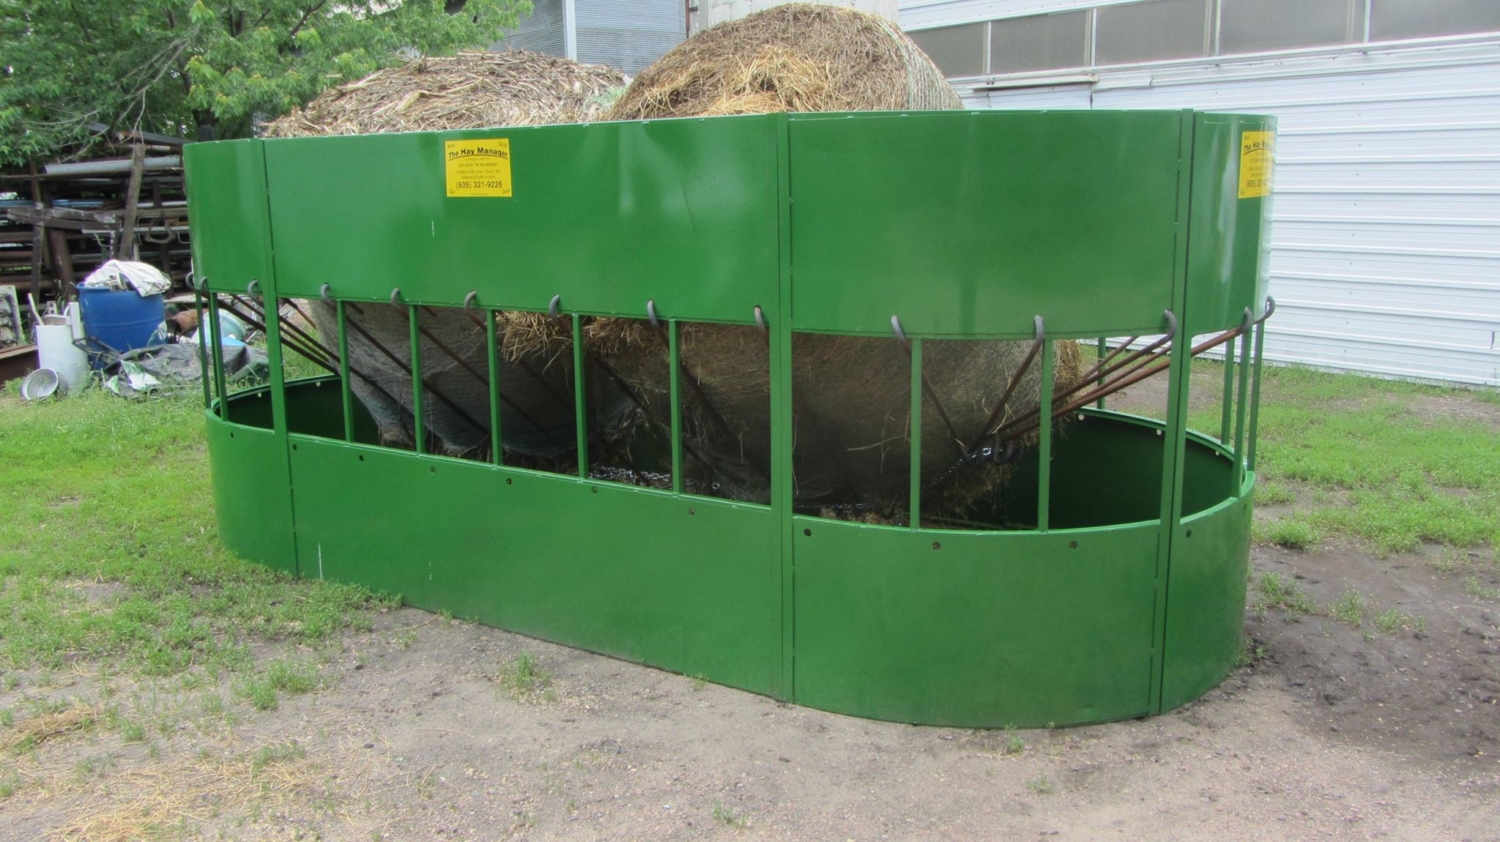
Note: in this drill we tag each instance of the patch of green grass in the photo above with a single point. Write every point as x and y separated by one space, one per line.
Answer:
1272 590
1013 743
109 552
524 677
1251 652
1039 785
1293 533
1391 621
264 691
10 781
1473 588
727 816
1392 468
1349 608
1273 494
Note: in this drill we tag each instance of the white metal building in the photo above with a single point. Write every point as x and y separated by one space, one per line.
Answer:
625 34
1386 232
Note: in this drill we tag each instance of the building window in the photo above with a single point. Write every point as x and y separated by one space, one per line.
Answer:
1152 31
1252 26
1393 20
956 50
1039 42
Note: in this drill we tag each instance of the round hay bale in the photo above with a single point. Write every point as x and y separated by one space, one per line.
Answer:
851 395
471 90
795 57
467 91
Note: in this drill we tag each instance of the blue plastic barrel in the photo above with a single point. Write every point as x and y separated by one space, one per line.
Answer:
119 320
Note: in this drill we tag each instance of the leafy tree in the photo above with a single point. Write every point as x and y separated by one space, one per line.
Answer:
205 68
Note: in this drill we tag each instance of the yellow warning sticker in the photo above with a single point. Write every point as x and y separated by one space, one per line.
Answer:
477 167
1257 149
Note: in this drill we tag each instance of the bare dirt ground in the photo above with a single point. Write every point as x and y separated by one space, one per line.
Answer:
1333 733
424 728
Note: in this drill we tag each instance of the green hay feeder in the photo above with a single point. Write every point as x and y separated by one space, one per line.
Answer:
1115 588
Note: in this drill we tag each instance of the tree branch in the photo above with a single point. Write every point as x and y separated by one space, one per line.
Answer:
305 15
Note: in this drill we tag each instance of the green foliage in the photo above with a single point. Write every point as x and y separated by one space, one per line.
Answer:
172 65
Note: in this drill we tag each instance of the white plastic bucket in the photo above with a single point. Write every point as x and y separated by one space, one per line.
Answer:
55 350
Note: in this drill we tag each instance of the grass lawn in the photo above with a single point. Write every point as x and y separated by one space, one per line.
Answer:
109 557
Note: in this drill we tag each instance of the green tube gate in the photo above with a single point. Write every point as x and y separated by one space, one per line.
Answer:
1119 594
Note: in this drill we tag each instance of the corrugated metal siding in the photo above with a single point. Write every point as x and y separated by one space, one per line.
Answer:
1386 218
1385 236
628 35
541 31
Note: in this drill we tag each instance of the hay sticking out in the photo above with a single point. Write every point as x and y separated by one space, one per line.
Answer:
795 57
466 91
49 726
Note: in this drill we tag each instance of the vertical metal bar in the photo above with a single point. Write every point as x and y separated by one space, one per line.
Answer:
346 393
580 398
419 424
492 358
1225 412
1174 428
1103 350
1044 444
203 371
270 306
674 361
217 352
782 481
1239 416
915 509
1260 350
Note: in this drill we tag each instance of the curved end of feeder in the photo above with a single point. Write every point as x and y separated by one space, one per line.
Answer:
1041 327
252 288
1171 323
470 299
396 295
1270 308
552 306
900 334
760 320
325 292
651 312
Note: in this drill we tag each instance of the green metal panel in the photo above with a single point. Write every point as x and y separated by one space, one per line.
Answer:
1206 599
605 215
685 583
952 221
252 491
992 629
231 234
1229 262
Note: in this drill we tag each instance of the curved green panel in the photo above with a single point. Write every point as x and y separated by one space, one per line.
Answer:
689 584
974 629
252 492
1206 599
1229 255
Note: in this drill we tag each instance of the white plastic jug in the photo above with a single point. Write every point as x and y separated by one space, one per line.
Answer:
55 350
